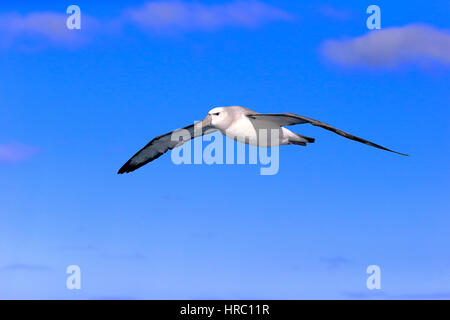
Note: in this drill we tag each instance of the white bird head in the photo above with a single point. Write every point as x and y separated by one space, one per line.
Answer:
221 117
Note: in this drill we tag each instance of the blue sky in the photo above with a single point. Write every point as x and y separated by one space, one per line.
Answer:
75 106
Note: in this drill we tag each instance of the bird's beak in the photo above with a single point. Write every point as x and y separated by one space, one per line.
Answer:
206 122
203 124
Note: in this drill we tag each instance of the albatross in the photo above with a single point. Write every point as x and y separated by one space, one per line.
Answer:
242 125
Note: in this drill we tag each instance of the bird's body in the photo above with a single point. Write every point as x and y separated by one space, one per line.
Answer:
247 130
241 124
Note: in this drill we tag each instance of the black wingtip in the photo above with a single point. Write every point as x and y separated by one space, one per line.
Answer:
126 168
402 154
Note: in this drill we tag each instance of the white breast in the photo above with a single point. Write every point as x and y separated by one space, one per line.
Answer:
248 131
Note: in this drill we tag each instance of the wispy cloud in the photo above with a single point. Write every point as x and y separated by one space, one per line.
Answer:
37 30
391 47
16 152
160 16
334 13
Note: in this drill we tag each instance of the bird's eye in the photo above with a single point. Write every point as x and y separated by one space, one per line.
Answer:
216 114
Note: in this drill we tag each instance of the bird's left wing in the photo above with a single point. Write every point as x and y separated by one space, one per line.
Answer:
160 145
287 119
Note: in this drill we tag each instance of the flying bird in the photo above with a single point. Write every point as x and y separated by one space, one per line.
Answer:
242 125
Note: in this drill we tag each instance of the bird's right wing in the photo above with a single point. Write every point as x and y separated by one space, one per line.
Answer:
160 145
287 119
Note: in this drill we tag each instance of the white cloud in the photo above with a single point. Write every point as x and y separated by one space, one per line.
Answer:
192 16
391 47
39 28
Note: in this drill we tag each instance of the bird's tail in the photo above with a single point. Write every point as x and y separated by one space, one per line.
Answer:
300 140
308 139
